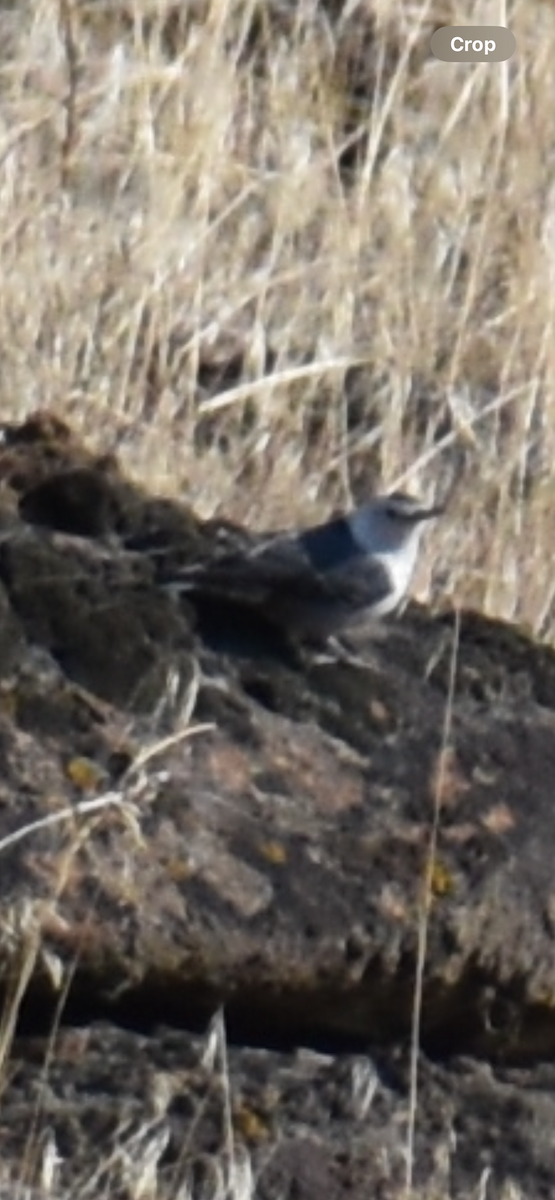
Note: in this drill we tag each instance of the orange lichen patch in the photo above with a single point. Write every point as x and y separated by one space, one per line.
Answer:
380 714
310 770
251 1125
273 852
230 766
459 834
247 891
179 870
442 882
392 903
412 833
78 935
83 774
448 783
334 793
499 819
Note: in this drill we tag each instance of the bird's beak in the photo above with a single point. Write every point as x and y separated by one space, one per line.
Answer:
427 514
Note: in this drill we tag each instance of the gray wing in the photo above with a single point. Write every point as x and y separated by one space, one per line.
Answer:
252 574
277 575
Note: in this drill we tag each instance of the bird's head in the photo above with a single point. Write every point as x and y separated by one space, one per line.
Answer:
390 523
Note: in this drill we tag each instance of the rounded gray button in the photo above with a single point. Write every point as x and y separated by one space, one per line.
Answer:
473 43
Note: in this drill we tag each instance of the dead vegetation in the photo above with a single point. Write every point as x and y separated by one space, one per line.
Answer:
278 255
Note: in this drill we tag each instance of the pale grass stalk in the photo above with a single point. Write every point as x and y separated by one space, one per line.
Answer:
456 114
379 123
133 1159
475 274
81 808
18 978
426 901
110 799
255 387
173 739
465 431
34 1130
235 1163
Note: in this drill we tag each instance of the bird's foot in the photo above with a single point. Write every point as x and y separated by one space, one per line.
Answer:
340 653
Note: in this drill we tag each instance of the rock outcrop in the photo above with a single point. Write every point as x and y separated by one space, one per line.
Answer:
195 818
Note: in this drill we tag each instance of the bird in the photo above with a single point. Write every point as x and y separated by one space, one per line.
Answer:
321 581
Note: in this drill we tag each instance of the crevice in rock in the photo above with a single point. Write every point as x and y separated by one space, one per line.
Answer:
498 1026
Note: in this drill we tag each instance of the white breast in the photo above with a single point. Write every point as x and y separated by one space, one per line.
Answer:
399 565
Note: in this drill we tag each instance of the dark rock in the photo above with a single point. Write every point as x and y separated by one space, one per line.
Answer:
78 502
187 824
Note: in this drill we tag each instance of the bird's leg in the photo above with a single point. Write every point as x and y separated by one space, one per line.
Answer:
341 653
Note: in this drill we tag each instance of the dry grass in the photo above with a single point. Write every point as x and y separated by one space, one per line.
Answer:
370 269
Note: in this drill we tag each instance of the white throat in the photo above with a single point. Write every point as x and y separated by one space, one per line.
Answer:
399 561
